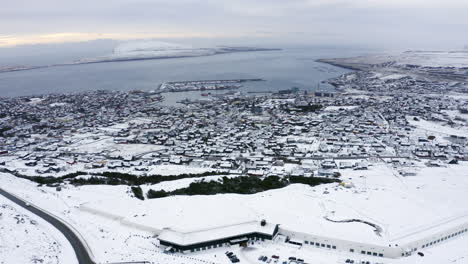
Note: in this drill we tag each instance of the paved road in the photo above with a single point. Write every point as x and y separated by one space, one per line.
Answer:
80 250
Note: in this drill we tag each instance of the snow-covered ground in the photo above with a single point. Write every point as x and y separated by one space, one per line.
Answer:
27 238
337 108
169 186
457 59
162 169
107 144
437 128
435 58
453 251
380 195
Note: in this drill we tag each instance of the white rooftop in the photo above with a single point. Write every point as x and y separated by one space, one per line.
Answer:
212 234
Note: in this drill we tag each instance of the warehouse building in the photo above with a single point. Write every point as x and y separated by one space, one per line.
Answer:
238 234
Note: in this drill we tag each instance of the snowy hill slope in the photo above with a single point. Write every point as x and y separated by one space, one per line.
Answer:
26 238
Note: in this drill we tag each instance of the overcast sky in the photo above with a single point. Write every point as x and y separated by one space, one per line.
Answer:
410 23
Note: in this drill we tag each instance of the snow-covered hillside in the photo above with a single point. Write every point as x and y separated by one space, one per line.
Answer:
458 59
26 238
379 195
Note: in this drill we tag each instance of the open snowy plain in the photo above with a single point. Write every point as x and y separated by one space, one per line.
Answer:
119 227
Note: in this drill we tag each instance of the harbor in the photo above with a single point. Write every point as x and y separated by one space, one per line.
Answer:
203 85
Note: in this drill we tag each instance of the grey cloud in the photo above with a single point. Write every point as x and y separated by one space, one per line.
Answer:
365 21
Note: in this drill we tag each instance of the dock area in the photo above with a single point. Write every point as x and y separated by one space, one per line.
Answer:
203 85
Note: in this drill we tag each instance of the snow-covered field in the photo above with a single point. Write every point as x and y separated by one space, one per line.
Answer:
380 195
457 59
27 238
437 128
182 183
435 58
107 144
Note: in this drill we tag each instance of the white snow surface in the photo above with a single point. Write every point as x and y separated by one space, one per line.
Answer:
27 238
458 59
380 196
437 128
435 58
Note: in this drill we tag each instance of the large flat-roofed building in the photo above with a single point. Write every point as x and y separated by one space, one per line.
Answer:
216 237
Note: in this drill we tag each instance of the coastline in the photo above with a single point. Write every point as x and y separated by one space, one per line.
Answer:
127 59
337 63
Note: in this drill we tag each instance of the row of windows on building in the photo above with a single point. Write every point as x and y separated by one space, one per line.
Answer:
375 254
222 244
320 244
334 247
208 247
445 238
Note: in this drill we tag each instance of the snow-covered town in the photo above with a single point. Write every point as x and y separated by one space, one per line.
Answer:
374 172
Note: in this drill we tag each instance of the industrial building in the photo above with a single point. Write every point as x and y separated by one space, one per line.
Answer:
238 234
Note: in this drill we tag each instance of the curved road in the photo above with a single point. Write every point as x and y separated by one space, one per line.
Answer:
80 249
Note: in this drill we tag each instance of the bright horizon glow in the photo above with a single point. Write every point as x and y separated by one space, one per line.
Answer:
67 37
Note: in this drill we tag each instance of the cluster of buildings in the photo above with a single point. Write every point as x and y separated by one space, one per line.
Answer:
377 82
279 134
393 118
203 85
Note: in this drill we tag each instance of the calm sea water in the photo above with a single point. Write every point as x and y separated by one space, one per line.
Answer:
291 67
